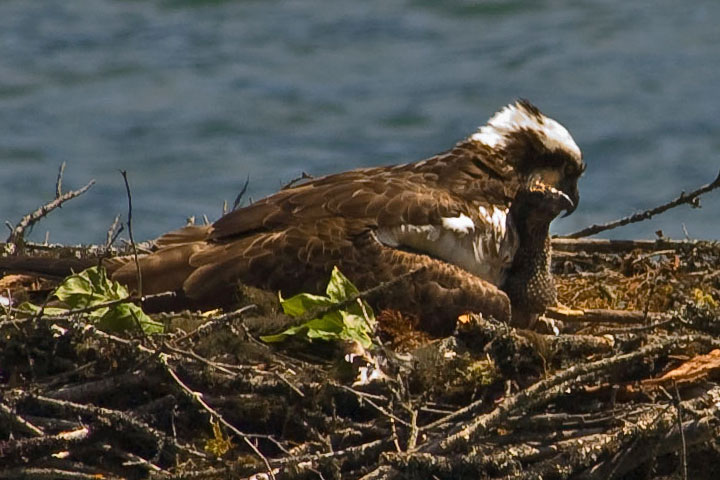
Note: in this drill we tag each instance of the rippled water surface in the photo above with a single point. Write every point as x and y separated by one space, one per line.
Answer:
192 97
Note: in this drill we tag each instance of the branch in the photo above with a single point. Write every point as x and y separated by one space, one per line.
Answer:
294 181
691 199
42 446
604 245
130 234
58 183
540 393
604 315
197 398
17 235
121 421
20 423
39 473
653 435
98 306
364 397
113 232
214 322
240 195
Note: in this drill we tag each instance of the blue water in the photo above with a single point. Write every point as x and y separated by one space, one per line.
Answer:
193 97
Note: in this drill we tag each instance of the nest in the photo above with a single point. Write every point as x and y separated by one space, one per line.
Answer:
622 385
620 382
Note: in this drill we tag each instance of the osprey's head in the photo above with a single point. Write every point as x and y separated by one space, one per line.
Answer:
545 158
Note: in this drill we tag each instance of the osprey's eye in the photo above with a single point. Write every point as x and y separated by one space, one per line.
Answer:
570 170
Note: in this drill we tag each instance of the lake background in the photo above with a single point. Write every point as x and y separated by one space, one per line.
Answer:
193 97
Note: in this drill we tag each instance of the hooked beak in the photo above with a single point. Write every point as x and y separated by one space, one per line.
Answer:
557 194
573 197
571 207
558 199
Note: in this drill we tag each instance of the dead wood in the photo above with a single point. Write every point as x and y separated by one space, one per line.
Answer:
22 424
541 393
603 245
17 235
208 399
51 474
14 451
691 198
605 315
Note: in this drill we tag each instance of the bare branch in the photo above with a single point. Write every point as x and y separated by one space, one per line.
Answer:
197 398
540 393
604 315
130 233
15 449
58 183
20 422
691 198
17 235
113 232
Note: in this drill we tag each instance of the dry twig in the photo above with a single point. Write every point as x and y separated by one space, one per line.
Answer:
604 315
197 398
691 198
541 393
21 423
17 236
130 234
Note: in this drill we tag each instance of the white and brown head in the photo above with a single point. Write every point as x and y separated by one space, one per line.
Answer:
543 154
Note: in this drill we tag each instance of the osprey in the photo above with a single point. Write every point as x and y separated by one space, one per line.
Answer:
471 222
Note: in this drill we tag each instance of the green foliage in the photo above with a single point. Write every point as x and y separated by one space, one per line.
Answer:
355 322
91 288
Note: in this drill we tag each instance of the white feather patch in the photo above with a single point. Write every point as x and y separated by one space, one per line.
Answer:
485 249
496 218
515 117
461 224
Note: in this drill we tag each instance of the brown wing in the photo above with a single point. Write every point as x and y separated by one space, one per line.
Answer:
292 239
167 268
420 194
368 197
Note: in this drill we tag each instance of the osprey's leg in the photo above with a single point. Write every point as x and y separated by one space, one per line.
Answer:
530 284
438 293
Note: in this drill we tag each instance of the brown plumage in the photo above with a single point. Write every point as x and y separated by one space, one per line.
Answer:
462 215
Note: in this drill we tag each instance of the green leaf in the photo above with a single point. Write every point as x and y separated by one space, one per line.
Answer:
341 324
32 309
75 291
302 303
326 328
340 288
330 323
91 288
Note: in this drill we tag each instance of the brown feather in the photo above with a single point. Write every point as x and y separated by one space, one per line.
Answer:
162 271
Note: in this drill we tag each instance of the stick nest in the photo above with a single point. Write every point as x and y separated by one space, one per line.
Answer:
623 386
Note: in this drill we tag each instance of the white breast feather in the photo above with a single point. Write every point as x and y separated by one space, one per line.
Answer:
461 224
485 249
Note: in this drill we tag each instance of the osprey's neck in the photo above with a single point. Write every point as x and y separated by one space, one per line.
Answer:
529 283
